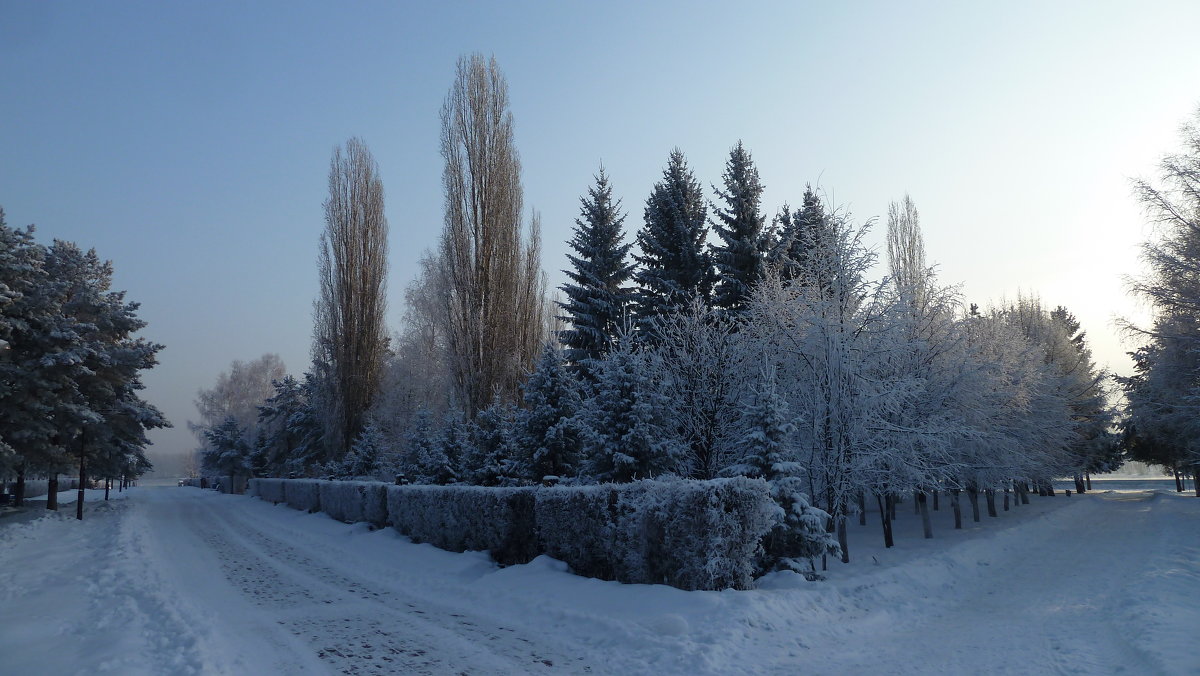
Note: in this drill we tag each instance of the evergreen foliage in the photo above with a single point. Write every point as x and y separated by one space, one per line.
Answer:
598 302
740 255
675 266
551 432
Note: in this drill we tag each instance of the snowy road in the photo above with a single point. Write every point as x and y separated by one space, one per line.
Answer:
178 580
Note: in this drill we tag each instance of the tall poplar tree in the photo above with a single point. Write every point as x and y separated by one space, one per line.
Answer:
349 336
492 287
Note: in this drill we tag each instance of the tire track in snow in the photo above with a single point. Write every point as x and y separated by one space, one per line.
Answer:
355 624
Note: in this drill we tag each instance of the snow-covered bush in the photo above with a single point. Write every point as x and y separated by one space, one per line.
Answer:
462 518
303 494
268 489
688 534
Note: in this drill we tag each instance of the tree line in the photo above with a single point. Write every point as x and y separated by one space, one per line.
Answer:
1163 393
70 368
730 343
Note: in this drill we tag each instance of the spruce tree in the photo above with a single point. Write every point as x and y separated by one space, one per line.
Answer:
597 299
551 434
739 224
625 433
675 267
797 234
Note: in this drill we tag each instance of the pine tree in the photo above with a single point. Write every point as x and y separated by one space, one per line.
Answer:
675 267
597 300
740 255
551 400
454 440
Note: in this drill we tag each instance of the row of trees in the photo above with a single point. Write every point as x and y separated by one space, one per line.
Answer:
69 367
729 344
1163 393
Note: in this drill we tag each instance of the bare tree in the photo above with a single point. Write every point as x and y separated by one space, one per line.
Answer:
237 393
349 338
494 289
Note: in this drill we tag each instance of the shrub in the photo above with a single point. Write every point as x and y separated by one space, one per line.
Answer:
303 494
462 518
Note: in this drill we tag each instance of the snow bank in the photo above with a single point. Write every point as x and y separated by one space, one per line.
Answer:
688 534
303 494
462 518
39 487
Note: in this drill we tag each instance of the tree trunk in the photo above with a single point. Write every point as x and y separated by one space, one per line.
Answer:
1024 493
843 541
862 508
973 496
926 523
1178 480
885 514
1087 476
957 507
52 492
107 485
1079 487
1049 487
916 503
935 499
1196 482
82 487
891 507
19 489
990 494
1006 498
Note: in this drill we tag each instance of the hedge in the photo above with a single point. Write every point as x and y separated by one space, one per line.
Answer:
688 534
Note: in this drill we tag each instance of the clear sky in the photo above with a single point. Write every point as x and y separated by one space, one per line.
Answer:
189 142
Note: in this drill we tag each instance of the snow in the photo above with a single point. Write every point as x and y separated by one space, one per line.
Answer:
177 580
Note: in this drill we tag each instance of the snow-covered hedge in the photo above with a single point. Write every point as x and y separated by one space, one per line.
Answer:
461 518
688 534
231 484
268 489
303 494
354 501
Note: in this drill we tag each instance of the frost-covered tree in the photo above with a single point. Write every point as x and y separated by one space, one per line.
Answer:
551 434
227 451
238 392
675 266
497 457
598 300
292 427
822 338
626 429
740 253
699 358
1164 392
365 458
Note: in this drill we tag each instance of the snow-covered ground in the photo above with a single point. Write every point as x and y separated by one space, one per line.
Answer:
179 580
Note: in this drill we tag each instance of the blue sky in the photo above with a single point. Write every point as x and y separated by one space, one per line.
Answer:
189 142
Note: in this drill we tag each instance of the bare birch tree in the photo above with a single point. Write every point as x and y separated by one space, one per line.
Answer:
494 287
349 337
